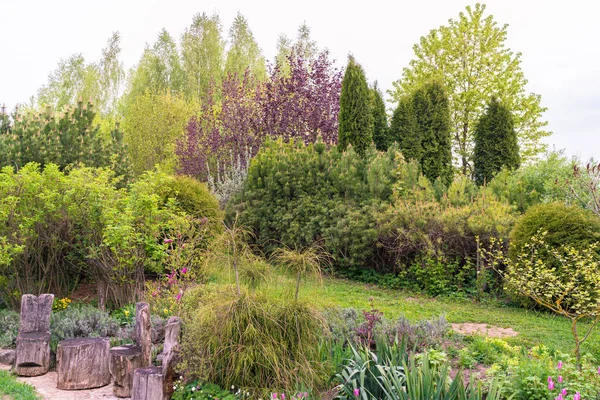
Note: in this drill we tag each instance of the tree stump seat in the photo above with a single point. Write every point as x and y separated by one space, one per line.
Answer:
82 363
32 354
124 360
148 384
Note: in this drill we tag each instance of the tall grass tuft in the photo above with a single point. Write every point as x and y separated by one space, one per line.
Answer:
253 343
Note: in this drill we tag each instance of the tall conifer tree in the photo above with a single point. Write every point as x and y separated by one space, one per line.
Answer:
496 143
380 120
403 130
355 117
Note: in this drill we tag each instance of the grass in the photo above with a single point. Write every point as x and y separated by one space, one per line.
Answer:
15 390
534 327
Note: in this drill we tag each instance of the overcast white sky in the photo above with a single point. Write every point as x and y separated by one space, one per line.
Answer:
559 42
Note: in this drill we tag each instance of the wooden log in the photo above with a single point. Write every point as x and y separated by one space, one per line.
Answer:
82 363
170 354
124 360
143 332
35 313
148 384
32 356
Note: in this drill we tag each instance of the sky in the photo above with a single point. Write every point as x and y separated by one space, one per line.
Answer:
559 42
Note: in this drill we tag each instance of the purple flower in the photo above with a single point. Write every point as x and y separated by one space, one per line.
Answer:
168 241
577 396
274 395
356 392
560 397
560 379
563 392
598 370
560 365
282 396
550 384
178 297
184 270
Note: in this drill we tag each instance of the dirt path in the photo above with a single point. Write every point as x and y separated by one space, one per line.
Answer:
46 387
470 328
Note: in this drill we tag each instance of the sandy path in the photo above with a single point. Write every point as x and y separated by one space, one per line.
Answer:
46 387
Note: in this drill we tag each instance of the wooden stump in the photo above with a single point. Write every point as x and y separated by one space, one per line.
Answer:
148 384
32 357
82 363
143 332
124 360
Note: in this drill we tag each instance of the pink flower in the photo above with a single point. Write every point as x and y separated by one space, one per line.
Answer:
563 392
356 392
560 379
560 365
282 396
560 397
178 297
551 384
184 270
577 396
549 379
598 370
168 241
274 395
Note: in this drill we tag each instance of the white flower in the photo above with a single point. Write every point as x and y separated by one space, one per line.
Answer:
193 389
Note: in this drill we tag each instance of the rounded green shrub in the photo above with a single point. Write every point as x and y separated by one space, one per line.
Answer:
566 225
192 197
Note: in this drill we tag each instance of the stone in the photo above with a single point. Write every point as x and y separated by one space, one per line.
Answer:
7 357
82 363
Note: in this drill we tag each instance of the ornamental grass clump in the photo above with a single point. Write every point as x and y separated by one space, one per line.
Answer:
253 342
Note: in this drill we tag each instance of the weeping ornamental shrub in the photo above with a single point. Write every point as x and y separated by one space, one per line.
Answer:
298 194
252 342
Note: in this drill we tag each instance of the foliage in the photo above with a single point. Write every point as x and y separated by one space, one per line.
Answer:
563 225
153 122
202 391
16 390
569 288
61 228
495 143
275 349
381 136
296 195
534 183
81 321
527 375
67 138
584 186
9 328
355 117
60 304
433 125
469 56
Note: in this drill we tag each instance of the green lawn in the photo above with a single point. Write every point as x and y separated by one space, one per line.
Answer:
15 390
533 327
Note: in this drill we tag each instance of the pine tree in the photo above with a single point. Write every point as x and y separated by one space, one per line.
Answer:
355 117
432 112
496 144
380 121
403 130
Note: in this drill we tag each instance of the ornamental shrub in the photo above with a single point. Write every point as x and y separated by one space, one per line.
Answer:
298 194
565 225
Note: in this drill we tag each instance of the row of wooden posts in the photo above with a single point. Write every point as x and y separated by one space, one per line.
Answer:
86 363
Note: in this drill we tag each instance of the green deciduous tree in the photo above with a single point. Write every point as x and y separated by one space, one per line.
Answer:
469 56
355 117
432 113
380 120
152 123
496 143
203 48
244 52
